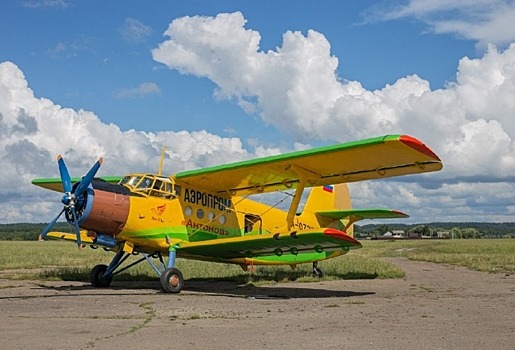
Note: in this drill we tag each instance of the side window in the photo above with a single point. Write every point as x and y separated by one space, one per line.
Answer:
166 187
177 190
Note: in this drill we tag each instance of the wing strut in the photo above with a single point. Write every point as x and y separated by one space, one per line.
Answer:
305 177
352 219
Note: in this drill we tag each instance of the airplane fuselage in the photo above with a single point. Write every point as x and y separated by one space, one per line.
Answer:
151 217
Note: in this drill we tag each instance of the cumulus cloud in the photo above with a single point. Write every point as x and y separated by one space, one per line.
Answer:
146 88
34 130
484 21
296 88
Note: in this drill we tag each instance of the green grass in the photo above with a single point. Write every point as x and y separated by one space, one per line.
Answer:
56 260
489 255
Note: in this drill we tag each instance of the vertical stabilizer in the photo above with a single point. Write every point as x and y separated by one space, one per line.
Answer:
335 197
324 198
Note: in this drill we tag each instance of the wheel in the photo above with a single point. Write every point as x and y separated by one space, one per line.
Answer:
318 272
97 279
172 280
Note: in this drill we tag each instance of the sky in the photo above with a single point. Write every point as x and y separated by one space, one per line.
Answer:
223 81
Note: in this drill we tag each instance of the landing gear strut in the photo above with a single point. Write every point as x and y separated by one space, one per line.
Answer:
317 271
170 277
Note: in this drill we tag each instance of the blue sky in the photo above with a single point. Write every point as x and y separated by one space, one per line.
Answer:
440 72
84 54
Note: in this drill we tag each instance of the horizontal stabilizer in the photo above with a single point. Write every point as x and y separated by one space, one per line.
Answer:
361 214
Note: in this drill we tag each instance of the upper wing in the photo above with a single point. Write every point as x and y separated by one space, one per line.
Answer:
55 183
374 158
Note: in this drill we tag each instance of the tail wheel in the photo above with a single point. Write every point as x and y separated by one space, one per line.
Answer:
97 278
172 280
318 272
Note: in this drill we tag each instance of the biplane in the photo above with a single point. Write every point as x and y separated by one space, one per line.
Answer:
207 214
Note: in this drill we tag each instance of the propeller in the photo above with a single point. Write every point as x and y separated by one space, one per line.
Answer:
73 198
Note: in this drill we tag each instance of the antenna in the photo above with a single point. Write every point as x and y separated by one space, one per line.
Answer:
161 161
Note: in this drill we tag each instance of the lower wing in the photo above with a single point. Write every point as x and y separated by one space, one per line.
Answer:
292 247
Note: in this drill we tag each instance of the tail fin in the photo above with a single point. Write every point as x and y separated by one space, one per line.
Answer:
330 206
330 198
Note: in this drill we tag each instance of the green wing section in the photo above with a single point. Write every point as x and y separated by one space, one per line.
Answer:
55 183
380 157
361 214
282 247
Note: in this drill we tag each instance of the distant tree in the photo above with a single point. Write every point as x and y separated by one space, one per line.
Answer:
382 229
422 230
470 233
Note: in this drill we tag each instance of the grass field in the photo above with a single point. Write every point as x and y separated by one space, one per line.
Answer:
56 260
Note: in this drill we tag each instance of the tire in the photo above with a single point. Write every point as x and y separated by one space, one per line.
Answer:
172 280
97 279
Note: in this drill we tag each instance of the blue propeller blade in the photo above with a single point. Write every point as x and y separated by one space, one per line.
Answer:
86 180
65 175
50 225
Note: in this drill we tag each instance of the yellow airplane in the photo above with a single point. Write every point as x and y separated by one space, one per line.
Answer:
206 214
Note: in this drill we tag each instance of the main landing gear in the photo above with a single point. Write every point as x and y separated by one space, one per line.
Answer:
170 277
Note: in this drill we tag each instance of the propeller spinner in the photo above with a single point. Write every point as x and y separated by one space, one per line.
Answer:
74 198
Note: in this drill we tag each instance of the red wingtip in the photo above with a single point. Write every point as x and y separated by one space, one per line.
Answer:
418 146
341 236
400 213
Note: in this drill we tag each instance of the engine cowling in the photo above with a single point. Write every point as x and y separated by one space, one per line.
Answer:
105 210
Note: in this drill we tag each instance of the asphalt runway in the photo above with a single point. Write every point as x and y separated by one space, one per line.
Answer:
434 307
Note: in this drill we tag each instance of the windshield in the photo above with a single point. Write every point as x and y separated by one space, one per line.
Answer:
151 185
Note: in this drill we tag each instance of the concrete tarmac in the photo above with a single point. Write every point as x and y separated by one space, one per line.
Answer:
434 307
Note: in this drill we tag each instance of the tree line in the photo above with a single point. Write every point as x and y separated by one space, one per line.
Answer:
31 231
28 231
449 229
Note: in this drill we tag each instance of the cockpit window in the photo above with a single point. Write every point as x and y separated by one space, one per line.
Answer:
151 185
124 180
145 183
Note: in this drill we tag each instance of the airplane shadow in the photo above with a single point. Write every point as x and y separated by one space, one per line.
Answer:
276 291
213 287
